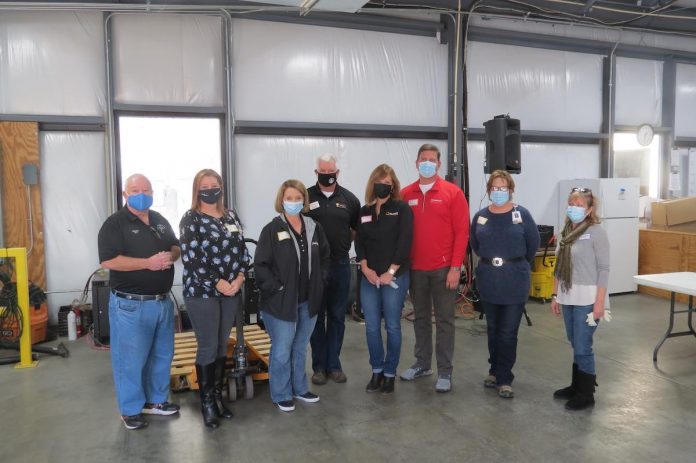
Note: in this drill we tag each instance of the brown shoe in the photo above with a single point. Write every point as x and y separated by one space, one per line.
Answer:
319 378
338 376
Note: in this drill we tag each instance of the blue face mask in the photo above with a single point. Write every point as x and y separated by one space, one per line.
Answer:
500 197
292 207
427 168
140 202
576 214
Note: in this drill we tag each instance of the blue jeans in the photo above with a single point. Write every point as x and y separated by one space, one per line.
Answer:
327 338
286 371
502 325
383 302
580 335
142 348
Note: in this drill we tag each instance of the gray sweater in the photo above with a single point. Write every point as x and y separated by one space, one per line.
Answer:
590 256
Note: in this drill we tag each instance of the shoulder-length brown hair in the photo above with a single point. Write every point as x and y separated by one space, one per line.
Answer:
195 200
292 183
380 172
505 175
591 201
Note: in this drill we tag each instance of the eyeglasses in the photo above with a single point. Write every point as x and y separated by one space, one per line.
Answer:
499 188
578 189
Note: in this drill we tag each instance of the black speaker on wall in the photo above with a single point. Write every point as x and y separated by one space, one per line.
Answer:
503 145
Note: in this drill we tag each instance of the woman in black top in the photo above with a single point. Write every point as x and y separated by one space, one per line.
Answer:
382 245
291 264
215 261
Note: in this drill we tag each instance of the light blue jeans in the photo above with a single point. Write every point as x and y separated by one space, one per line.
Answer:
580 335
289 340
383 302
142 348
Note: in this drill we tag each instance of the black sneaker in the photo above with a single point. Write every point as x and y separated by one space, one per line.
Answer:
164 408
286 405
134 421
307 397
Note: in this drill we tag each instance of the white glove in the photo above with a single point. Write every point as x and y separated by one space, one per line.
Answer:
393 285
606 317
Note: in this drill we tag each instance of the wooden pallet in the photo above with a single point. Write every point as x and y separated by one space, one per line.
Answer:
183 370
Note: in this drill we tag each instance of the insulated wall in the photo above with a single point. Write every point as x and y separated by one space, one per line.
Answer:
546 90
52 63
685 117
74 208
638 92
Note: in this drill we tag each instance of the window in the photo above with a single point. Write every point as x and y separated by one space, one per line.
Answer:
632 159
169 151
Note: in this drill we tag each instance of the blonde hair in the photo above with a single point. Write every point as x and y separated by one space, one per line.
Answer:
196 201
590 200
381 171
505 175
292 183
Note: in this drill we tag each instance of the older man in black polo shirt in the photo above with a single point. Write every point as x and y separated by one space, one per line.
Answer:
336 209
139 247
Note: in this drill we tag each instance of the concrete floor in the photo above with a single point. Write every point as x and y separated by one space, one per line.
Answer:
64 410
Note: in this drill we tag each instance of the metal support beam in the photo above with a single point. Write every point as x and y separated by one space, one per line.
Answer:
315 129
134 108
112 179
606 165
540 136
669 85
455 89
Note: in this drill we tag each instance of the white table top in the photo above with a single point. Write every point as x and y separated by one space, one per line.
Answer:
678 282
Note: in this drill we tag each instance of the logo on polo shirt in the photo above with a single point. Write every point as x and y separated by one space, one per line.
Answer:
135 231
341 205
161 228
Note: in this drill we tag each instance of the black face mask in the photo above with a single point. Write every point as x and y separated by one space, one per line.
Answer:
326 179
382 190
210 196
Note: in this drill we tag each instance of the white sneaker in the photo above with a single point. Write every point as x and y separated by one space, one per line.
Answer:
415 372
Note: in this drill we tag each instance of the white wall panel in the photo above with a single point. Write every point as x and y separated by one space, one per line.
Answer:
545 89
638 92
263 163
536 188
74 208
168 60
685 114
52 63
299 73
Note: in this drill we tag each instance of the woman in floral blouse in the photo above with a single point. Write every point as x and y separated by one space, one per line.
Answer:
215 261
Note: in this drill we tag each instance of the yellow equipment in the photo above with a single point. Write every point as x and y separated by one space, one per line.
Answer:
542 277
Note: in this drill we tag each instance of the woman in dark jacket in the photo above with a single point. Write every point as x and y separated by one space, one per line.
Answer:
291 265
382 246
215 261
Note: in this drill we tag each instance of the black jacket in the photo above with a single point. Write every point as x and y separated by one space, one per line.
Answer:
276 265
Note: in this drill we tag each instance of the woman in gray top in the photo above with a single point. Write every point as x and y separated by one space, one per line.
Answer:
580 289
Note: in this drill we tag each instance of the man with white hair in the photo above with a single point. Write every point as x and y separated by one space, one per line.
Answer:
336 209
139 248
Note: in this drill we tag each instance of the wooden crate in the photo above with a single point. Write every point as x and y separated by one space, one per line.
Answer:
183 370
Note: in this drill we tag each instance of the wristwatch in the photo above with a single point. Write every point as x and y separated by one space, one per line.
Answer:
391 271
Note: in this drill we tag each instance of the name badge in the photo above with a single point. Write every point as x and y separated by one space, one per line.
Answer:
283 235
232 228
412 202
481 220
313 205
516 217
586 236
366 219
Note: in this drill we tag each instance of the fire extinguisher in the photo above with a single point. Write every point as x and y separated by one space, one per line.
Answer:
78 321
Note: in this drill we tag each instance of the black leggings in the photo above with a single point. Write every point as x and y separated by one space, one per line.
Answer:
212 319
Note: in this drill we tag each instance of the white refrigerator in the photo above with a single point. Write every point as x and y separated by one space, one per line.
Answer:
618 210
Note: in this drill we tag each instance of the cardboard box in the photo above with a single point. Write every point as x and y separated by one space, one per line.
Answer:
689 228
674 212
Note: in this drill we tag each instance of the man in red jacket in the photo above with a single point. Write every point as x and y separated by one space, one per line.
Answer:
440 236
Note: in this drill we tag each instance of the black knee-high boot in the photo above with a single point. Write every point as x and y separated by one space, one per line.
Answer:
584 395
206 374
223 411
567 393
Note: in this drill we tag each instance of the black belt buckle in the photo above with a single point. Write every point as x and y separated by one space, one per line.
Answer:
497 262
140 297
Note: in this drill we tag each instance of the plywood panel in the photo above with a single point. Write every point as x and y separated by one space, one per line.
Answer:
19 145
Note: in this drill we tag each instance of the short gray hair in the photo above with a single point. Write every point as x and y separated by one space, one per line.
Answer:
327 157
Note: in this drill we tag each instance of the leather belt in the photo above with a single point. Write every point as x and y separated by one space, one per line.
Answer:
139 297
499 261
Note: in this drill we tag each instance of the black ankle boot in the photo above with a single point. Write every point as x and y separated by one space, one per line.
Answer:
222 410
567 393
205 375
584 395
375 383
388 385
